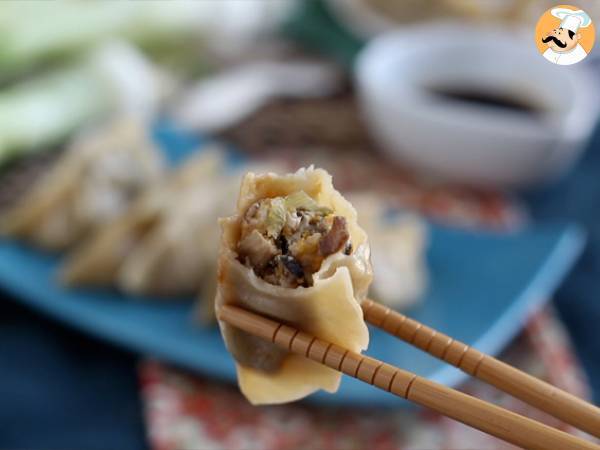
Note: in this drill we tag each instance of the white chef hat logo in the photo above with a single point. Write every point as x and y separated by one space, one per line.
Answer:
572 20
565 35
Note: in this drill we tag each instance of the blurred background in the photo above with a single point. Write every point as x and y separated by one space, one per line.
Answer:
442 111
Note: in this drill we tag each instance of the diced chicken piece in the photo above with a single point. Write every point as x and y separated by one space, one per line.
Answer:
257 249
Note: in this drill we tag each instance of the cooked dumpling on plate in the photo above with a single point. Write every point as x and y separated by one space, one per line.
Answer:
165 263
146 250
95 181
398 242
293 251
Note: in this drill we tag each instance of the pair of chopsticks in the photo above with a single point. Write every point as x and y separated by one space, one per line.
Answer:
486 417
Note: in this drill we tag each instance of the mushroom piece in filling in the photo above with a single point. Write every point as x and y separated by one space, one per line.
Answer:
285 239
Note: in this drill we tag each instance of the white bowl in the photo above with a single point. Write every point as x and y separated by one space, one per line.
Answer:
469 142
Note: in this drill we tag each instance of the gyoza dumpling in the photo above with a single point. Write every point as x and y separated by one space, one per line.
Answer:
93 182
293 252
144 235
165 263
97 260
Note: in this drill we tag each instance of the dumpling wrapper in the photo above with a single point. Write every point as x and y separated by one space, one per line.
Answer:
330 309
92 183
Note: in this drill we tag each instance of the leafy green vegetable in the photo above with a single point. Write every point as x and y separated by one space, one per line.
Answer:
49 43
301 200
276 216
32 33
46 109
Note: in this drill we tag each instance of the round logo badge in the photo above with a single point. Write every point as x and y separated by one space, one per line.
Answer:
565 35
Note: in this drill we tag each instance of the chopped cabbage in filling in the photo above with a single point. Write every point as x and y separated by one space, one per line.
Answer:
285 239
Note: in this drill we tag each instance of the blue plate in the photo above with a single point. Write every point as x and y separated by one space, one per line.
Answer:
482 287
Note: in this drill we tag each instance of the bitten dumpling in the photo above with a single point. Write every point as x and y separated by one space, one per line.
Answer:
94 182
293 252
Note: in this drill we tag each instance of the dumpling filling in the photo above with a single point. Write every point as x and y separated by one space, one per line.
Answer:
285 239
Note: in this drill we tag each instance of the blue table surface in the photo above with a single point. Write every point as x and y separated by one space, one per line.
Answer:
60 389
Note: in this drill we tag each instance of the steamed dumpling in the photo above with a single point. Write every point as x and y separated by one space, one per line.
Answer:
95 181
294 252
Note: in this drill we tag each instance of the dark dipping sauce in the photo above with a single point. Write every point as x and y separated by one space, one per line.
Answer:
502 102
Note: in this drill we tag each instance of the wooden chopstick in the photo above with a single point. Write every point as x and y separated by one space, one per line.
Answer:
471 411
521 385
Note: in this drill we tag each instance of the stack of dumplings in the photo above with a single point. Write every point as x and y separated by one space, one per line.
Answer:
95 181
